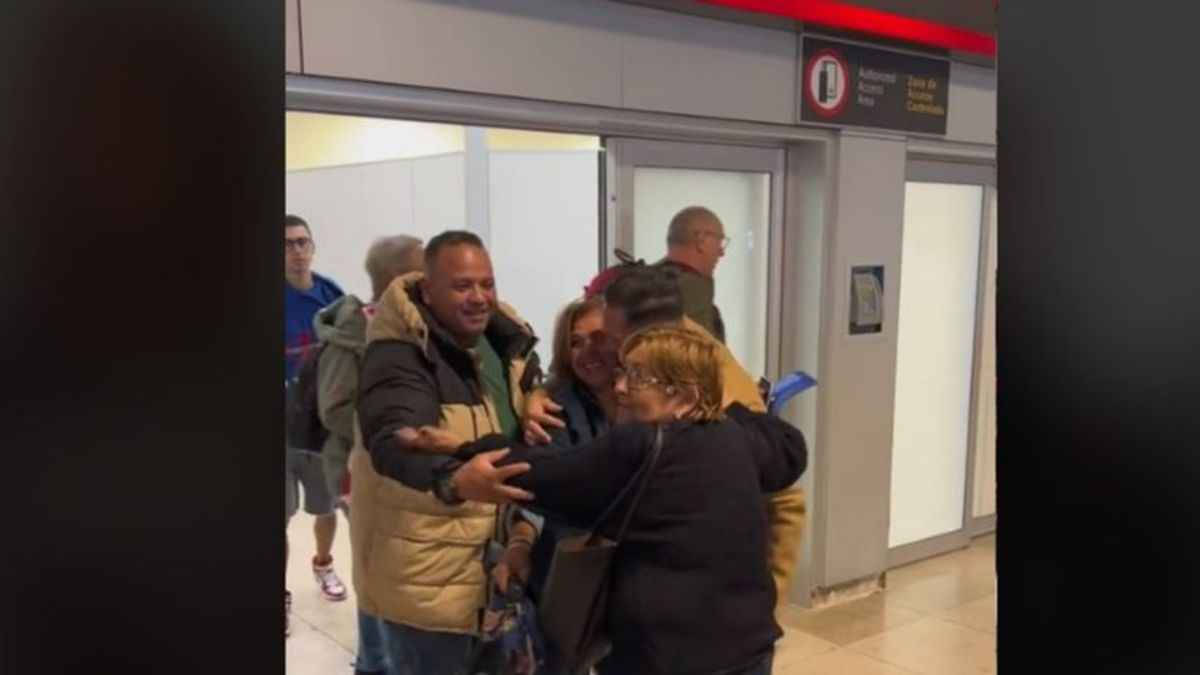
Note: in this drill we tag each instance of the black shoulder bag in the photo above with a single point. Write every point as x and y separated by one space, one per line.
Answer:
575 598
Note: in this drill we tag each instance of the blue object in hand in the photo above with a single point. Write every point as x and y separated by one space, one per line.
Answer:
788 386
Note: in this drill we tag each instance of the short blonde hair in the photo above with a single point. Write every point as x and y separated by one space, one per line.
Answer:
679 357
391 257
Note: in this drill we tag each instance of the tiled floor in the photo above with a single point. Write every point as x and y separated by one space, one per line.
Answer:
937 617
324 634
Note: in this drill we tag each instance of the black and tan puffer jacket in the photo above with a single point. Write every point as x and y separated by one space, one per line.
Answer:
418 561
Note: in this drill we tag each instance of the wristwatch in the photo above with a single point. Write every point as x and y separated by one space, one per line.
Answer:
443 489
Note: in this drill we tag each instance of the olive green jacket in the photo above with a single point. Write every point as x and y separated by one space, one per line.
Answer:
698 298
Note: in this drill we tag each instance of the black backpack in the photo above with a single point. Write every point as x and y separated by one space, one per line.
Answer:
303 423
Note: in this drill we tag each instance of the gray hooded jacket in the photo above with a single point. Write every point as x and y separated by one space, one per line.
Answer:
342 330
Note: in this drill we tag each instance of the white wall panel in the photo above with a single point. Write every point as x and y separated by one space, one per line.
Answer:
544 232
439 193
561 50
972 115
579 51
543 212
348 207
697 66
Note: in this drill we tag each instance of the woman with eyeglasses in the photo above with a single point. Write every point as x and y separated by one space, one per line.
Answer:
690 590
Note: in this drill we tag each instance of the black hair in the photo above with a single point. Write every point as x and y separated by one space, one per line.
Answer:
646 295
449 238
296 221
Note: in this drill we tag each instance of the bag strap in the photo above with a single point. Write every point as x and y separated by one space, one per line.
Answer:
655 451
641 478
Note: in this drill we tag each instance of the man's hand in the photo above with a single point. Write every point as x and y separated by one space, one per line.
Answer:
479 480
538 415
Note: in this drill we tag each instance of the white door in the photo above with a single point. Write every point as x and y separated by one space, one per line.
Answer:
937 349
650 181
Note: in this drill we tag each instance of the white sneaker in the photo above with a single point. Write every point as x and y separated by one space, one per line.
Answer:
331 586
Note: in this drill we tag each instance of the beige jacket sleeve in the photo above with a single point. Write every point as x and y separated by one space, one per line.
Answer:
786 510
787 513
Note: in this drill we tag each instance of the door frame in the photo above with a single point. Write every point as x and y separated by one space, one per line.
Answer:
981 525
934 171
624 154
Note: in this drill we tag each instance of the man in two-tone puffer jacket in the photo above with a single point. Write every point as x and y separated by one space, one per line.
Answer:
441 351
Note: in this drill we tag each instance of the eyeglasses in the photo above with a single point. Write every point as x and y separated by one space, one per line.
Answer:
724 240
636 378
302 244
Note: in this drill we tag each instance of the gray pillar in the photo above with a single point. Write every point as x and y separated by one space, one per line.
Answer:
476 178
853 472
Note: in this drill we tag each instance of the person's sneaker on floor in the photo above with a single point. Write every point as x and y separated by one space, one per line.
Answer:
331 586
287 613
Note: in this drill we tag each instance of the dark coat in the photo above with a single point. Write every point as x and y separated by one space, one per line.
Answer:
691 592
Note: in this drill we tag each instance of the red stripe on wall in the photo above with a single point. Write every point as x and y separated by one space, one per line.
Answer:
871 21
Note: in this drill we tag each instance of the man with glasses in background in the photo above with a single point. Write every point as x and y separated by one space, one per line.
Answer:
306 293
696 242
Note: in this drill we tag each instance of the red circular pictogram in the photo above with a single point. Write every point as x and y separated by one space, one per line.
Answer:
827 83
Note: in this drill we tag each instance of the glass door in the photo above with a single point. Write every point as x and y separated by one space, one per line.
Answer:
650 181
935 431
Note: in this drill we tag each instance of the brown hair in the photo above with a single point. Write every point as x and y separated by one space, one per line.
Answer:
681 358
560 363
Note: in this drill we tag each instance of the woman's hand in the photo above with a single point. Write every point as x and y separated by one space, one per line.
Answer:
516 561
514 565
480 480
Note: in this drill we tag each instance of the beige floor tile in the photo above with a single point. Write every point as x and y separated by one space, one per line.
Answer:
841 662
796 645
972 559
976 564
311 652
935 588
338 620
934 646
971 554
980 615
853 621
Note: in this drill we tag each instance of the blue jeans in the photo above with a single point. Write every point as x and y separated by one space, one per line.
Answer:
411 651
372 657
